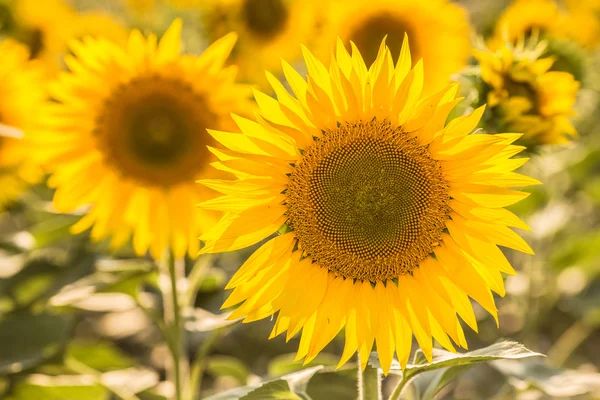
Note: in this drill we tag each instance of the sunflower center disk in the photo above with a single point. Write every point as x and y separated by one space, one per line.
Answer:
367 202
265 18
522 89
153 130
368 36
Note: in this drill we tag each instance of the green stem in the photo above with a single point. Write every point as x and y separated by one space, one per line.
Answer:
200 362
568 342
399 388
178 370
369 383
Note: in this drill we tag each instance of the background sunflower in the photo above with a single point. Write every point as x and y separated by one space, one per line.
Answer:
438 31
125 133
269 31
21 95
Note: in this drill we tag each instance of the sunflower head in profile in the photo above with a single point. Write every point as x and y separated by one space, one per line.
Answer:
438 32
523 17
268 31
126 134
386 219
526 95
21 94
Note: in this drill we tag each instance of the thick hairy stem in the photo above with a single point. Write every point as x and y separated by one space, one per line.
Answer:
369 383
172 274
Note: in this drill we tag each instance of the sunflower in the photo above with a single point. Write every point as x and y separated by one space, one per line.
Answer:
141 7
98 24
387 220
523 17
127 134
269 30
21 94
41 25
527 96
438 32
46 27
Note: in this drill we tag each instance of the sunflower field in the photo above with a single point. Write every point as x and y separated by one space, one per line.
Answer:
299 199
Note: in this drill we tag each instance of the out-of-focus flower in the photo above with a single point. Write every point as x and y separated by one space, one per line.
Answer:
389 219
41 25
589 5
523 17
141 7
269 30
126 133
438 31
21 94
526 96
47 26
98 25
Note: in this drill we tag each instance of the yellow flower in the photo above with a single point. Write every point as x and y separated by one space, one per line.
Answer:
98 24
127 134
524 16
141 7
21 94
388 220
43 26
269 30
47 26
438 32
528 96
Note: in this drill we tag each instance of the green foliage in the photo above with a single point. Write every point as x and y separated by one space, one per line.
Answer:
26 340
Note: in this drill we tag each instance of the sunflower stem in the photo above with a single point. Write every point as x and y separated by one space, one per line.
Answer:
173 273
399 388
369 382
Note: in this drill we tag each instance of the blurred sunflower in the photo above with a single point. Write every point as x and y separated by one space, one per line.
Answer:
46 27
41 25
98 24
127 134
389 221
527 96
141 7
438 31
21 94
269 30
523 17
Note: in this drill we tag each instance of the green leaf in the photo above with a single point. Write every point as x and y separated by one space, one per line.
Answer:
288 387
552 381
58 388
54 228
27 340
285 364
443 358
333 385
274 390
298 381
441 378
101 356
228 366
454 364
111 288
212 279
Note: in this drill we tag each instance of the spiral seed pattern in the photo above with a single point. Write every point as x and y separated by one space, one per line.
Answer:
367 201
